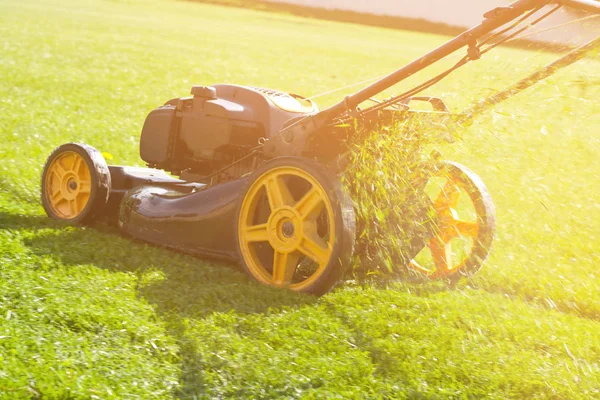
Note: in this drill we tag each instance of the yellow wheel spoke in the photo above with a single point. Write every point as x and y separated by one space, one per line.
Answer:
284 267
82 201
256 233
441 252
73 207
464 228
448 197
315 248
76 163
310 205
58 170
448 256
278 193
56 197
85 186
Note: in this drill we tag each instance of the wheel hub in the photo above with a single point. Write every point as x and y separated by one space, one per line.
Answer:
70 186
284 229
288 229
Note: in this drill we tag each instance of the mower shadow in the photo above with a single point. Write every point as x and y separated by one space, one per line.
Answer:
187 285
18 222
176 283
173 282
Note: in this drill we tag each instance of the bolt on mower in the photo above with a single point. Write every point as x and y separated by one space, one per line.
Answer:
259 170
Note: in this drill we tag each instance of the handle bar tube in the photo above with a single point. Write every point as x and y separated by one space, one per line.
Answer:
494 19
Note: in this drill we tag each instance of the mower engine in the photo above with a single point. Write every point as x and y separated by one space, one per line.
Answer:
215 126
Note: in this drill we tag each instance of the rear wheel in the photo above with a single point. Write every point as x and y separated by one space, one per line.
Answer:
295 227
464 227
75 184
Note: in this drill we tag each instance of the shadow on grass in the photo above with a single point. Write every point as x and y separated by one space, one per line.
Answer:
17 222
174 282
182 288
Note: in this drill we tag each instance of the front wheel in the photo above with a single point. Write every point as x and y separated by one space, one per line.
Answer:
75 184
464 226
295 226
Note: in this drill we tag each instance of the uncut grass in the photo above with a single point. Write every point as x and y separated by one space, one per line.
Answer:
93 70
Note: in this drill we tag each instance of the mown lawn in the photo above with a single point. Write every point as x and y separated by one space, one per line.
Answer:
86 313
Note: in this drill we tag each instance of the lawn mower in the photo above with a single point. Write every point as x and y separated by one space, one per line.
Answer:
258 170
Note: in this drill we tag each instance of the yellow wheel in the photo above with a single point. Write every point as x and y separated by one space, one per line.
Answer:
464 227
295 227
75 183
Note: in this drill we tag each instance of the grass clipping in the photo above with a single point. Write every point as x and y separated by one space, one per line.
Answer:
388 170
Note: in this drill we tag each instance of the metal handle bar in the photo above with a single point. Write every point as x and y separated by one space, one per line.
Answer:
493 19
583 5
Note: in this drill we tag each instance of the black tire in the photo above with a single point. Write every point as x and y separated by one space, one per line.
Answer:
88 207
486 215
342 214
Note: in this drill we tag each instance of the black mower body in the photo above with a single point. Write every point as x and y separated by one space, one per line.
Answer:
184 218
153 206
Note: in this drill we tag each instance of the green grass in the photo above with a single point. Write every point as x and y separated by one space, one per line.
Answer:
86 313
